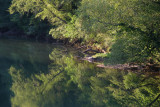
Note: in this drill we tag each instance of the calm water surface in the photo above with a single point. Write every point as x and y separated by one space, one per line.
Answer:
46 75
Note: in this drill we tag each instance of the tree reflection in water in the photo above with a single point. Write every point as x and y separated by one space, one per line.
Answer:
72 83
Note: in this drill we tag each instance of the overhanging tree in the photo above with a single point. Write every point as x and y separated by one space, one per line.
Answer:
138 21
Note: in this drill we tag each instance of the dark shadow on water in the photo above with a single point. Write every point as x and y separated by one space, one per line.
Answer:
5 84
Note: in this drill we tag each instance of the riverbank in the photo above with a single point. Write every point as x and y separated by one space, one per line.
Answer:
99 59
88 53
148 67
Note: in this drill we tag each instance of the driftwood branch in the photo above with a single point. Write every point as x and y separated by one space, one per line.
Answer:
87 50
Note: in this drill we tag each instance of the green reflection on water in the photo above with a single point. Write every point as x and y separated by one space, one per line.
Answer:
57 79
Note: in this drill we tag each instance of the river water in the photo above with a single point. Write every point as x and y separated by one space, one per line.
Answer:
36 74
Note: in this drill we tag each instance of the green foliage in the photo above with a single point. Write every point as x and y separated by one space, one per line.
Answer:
72 31
135 24
124 89
73 83
127 48
129 28
101 55
31 26
52 89
131 80
57 12
109 14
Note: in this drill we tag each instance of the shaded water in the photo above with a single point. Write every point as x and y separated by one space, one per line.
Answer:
44 75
